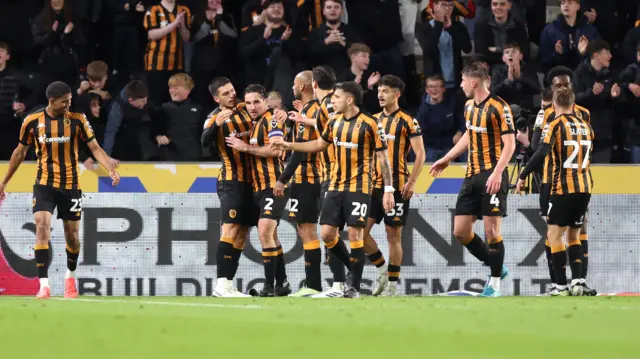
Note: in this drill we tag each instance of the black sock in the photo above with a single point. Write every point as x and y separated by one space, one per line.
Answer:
559 260
72 259
377 259
552 272
479 249
394 273
281 273
575 261
224 258
237 252
336 266
312 258
496 258
341 252
270 260
585 258
42 260
357 266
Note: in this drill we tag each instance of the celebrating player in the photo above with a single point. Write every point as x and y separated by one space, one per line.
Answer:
568 138
357 137
266 167
490 140
238 214
402 133
55 133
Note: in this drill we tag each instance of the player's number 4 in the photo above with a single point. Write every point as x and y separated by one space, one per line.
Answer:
571 160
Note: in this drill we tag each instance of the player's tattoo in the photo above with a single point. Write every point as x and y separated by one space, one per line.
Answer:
385 167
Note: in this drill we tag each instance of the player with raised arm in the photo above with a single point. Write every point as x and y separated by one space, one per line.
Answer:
55 133
266 166
568 139
402 133
357 138
237 211
491 142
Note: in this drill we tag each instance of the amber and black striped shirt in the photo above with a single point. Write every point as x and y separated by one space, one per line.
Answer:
56 142
311 169
356 141
325 114
571 141
399 128
486 123
550 115
166 54
234 163
265 171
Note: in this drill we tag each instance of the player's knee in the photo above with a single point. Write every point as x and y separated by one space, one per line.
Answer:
462 234
491 233
394 235
43 224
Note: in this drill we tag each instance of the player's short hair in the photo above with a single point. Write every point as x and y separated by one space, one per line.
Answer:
436 77
357 48
256 88
597 45
564 98
216 84
324 76
339 2
352 88
182 79
136 90
547 94
393 82
558 71
4 46
57 89
477 71
97 70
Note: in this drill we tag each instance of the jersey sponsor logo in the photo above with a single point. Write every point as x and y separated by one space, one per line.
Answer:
348 145
476 128
240 134
45 139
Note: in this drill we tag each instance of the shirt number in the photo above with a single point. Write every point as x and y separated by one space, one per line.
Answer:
571 160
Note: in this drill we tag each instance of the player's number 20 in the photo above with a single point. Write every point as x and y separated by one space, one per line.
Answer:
359 209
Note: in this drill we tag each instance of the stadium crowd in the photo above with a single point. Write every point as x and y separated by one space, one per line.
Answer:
141 69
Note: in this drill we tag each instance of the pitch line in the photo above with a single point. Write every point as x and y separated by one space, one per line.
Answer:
175 304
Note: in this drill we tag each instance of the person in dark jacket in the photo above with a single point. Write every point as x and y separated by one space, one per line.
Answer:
93 108
442 122
630 84
514 80
178 128
55 34
127 134
501 29
447 38
328 44
359 72
630 44
596 90
603 14
126 50
564 41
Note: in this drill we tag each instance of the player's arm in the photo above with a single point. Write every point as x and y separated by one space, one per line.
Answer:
543 150
87 135
17 157
380 145
309 147
418 149
385 167
291 167
262 151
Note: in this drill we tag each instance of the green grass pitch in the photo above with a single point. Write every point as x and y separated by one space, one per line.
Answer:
403 328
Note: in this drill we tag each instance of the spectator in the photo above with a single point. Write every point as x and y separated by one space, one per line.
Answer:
603 15
465 9
274 100
514 80
127 134
446 40
630 44
359 72
126 54
328 44
167 25
440 119
97 76
596 90
94 109
216 46
630 84
565 40
253 13
502 28
55 35
178 129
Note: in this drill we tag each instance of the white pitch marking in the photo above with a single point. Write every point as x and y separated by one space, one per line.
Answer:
176 304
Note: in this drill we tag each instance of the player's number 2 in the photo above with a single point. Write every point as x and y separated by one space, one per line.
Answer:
359 209
269 205
571 160
76 205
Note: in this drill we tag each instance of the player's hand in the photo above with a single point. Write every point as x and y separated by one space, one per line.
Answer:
3 187
494 182
89 164
280 115
296 117
278 190
407 190
236 143
278 143
114 163
439 166
297 104
520 186
115 177
388 202
223 116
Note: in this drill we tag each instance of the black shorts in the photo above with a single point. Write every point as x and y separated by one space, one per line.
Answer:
474 200
67 201
350 208
236 203
305 202
397 217
568 209
269 205
545 192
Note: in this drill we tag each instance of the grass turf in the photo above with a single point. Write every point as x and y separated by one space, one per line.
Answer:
404 328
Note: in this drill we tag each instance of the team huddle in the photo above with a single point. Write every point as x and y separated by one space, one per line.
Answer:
346 169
